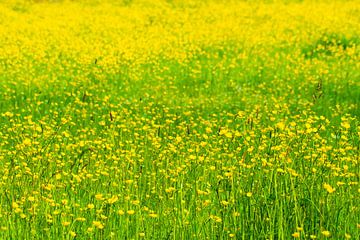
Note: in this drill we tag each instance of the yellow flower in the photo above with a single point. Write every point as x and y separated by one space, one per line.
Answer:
113 199
135 202
90 206
80 219
345 125
130 212
228 134
216 218
236 214
281 125
27 142
98 225
212 168
99 197
65 224
31 198
326 233
8 114
72 234
296 234
206 202
328 188
170 189
223 132
15 205
153 215
18 210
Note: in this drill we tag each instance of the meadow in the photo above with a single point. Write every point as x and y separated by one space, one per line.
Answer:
179 119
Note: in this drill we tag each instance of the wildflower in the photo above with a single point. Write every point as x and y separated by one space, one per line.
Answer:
15 205
113 199
170 189
98 225
216 218
65 223
326 233
31 198
8 114
206 202
280 125
99 197
153 215
296 234
345 125
223 132
130 212
80 219
212 168
328 188
27 142
236 214
90 206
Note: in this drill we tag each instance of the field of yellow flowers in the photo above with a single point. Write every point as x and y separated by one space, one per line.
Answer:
144 119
